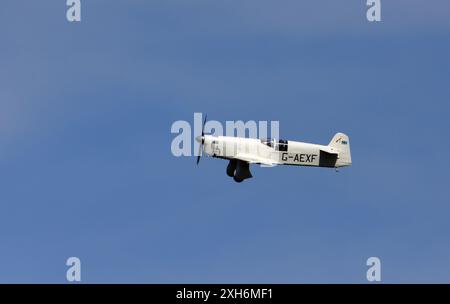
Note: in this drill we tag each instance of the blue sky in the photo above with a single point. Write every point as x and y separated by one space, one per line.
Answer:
87 171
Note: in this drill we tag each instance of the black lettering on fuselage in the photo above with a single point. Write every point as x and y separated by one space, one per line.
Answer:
299 157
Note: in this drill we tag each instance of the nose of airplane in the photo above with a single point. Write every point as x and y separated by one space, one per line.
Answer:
200 139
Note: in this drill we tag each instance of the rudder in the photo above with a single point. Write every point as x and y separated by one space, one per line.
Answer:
341 142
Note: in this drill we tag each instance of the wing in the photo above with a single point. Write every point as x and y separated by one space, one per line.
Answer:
253 159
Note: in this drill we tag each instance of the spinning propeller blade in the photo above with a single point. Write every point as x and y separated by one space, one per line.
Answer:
202 140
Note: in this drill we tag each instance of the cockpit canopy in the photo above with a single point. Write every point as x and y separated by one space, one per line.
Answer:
267 141
280 145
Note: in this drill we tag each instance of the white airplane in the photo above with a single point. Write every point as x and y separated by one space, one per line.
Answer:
241 152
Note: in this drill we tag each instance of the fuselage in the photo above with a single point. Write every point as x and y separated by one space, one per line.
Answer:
276 152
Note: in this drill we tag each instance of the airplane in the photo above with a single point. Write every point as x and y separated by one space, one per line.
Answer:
241 152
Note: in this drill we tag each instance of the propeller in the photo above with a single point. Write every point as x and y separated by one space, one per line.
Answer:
201 140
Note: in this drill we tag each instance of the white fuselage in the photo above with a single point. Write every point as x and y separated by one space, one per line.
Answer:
275 152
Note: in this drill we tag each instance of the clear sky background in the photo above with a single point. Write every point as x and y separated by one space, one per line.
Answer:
86 168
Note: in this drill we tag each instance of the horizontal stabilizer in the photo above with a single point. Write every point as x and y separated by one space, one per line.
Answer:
330 150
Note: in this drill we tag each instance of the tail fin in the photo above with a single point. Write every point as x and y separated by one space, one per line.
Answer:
341 143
